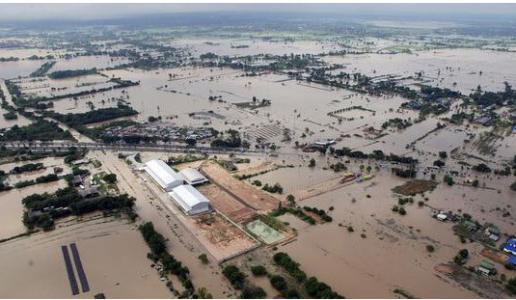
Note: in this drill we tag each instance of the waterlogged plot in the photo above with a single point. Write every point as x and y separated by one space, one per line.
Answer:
371 158
264 232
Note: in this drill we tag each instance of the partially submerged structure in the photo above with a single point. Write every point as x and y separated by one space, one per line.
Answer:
190 200
193 177
510 246
164 175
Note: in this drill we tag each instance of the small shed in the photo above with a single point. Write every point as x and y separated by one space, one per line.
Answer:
193 176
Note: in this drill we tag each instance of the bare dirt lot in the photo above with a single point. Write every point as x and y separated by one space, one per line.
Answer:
248 195
226 204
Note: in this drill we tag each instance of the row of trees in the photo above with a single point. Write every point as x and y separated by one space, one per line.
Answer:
158 246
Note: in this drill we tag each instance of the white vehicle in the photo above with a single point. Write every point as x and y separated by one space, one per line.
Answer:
442 217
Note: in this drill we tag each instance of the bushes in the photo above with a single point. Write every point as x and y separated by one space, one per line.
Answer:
278 283
258 270
320 290
156 243
27 168
311 164
324 216
110 178
511 286
47 178
252 292
276 188
153 238
283 260
482 168
71 73
235 277
449 180
203 258
513 186
298 212
461 257
99 115
40 130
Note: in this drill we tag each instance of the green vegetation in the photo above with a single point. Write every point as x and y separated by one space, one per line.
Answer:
482 168
253 292
511 285
283 260
10 115
237 280
27 168
40 179
278 282
203 258
99 115
40 130
311 164
324 216
276 188
298 212
43 209
175 160
71 73
376 155
110 178
461 257
448 180
231 139
258 270
43 69
235 277
396 123
320 290
158 246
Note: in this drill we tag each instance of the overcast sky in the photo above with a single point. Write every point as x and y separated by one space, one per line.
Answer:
23 12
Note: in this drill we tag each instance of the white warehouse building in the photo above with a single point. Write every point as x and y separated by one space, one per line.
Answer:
193 177
163 174
190 200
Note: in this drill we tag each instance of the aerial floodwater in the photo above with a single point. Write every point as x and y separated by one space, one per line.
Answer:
257 151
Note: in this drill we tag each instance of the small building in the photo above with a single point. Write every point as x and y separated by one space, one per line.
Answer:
89 192
510 246
193 176
163 174
190 200
492 232
77 180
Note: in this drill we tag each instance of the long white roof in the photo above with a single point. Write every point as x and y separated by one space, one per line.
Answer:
188 197
163 174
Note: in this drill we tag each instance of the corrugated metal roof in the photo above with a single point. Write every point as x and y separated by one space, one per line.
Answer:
163 174
192 176
190 199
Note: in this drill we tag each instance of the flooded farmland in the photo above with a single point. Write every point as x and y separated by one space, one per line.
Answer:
257 155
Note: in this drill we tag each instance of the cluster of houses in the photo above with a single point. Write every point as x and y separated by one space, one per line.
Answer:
160 131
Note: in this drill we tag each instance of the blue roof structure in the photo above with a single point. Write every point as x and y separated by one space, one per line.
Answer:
510 246
511 260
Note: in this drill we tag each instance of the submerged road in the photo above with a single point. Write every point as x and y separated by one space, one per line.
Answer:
65 145
80 270
69 270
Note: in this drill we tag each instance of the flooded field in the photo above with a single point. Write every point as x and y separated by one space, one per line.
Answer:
365 159
39 259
